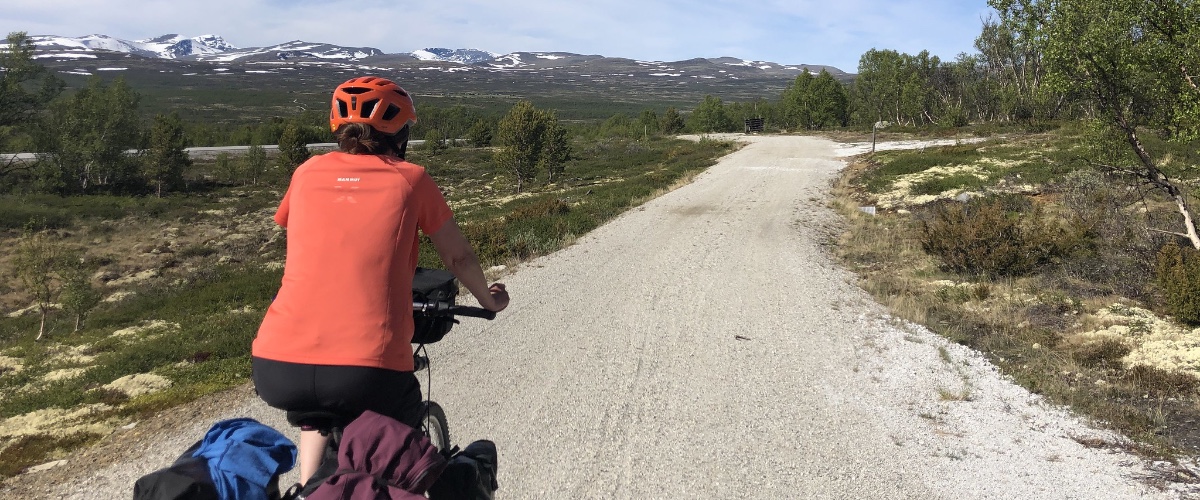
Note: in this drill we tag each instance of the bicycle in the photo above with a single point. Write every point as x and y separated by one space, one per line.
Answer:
434 423
434 314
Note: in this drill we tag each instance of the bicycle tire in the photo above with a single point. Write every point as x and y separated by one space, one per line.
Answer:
435 426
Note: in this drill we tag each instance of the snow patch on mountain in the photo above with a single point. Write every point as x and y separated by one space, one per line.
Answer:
293 51
461 56
170 46
213 48
65 55
507 61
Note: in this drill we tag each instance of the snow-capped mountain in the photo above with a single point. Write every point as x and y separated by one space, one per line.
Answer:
214 49
176 47
199 68
291 51
170 46
461 56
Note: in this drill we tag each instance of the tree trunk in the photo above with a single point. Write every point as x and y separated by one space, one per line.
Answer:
1160 180
42 327
1187 76
78 321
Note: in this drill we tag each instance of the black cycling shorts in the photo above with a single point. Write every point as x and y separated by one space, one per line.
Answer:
347 391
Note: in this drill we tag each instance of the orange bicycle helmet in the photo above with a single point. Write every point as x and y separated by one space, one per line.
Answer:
374 101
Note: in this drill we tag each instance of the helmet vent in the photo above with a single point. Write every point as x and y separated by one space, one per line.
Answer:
356 90
368 107
391 112
342 111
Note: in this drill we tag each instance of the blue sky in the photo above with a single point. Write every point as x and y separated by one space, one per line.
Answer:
826 32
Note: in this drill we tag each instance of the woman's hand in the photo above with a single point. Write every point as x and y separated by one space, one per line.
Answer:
499 297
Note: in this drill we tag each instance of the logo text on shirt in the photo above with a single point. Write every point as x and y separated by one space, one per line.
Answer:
349 179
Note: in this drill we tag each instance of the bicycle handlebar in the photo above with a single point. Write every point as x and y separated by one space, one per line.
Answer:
439 308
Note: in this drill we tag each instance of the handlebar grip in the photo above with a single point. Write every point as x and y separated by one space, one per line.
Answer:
474 312
447 309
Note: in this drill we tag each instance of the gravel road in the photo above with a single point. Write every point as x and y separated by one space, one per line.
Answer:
704 346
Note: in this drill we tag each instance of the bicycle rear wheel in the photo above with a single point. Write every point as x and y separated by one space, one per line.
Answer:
434 425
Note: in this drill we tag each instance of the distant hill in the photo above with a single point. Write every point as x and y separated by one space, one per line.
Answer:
207 78
214 48
165 47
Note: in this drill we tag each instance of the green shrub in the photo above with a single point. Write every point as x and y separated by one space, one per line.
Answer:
489 239
1161 382
15 215
1105 353
994 236
545 207
1178 276
1116 251
196 251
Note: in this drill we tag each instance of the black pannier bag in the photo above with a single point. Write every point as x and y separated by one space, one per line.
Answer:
432 285
186 479
236 458
470 475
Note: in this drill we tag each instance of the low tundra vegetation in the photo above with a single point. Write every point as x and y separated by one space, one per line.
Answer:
1058 272
185 279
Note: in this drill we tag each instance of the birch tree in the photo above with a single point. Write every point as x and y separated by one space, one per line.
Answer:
167 158
1134 61
520 136
557 149
84 147
79 296
36 261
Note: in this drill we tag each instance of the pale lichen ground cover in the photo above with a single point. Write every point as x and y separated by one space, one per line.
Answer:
61 421
899 196
70 362
11 364
139 384
1154 341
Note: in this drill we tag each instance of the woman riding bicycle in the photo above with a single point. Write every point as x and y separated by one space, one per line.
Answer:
337 337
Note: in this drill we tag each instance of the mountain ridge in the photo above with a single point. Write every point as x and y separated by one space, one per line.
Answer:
228 84
214 48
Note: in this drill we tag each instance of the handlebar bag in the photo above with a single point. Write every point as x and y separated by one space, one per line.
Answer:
432 285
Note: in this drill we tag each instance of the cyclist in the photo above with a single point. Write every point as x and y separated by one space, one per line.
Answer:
337 336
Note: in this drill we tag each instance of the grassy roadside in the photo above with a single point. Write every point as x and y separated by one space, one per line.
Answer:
1069 307
188 279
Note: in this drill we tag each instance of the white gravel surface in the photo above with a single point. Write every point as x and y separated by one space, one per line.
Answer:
704 346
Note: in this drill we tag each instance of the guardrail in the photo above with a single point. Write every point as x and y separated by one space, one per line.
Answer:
195 152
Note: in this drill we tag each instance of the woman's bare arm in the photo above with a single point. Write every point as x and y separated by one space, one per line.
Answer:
458 256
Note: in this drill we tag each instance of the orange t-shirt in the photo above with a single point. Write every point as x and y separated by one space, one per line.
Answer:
346 297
